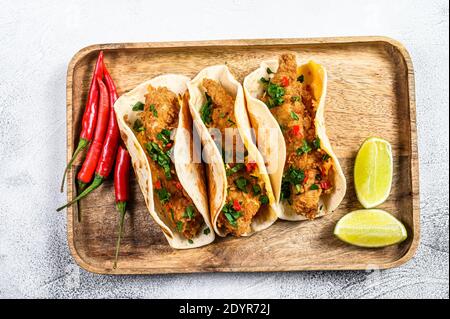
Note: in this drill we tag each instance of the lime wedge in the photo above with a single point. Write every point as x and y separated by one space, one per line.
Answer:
370 228
373 172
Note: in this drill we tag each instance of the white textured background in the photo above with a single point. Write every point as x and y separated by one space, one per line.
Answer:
37 40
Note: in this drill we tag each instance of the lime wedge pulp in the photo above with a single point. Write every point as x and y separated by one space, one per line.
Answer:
373 172
370 228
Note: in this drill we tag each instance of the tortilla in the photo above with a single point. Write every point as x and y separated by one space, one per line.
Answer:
274 151
216 172
190 174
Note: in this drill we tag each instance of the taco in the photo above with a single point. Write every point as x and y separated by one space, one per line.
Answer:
288 99
240 193
156 127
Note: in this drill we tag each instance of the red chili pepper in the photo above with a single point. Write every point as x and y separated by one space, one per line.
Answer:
121 189
89 120
250 167
158 184
325 185
92 158
237 207
284 81
111 143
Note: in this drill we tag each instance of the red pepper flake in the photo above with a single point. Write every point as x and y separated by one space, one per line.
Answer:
169 145
284 81
178 185
158 184
250 167
237 207
325 185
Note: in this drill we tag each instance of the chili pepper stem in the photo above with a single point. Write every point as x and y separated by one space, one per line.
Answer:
98 180
81 146
121 206
82 186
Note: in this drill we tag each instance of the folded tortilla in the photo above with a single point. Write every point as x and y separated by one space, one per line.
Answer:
189 173
273 145
216 166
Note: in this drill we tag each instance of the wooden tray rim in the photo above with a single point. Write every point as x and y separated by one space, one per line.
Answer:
414 163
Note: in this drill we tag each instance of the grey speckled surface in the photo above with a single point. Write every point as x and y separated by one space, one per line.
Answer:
37 40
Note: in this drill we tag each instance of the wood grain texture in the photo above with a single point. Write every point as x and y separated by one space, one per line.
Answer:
370 92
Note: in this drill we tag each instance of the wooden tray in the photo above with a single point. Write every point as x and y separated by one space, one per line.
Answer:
370 92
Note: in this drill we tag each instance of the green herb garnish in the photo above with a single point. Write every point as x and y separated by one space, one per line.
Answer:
294 116
189 212
164 136
241 183
325 157
256 189
179 226
231 214
236 168
294 175
153 109
190 241
163 159
295 98
269 71
138 126
264 199
206 231
138 106
305 148
314 187
206 110
263 80
231 122
316 143
163 195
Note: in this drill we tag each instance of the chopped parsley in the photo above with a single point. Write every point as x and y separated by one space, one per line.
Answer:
206 110
206 231
231 214
269 71
138 106
294 116
163 159
256 189
190 241
189 212
138 126
236 168
172 214
264 199
179 226
163 195
301 78
263 80
325 157
153 109
314 187
316 143
276 93
222 115
241 183
231 122
285 190
295 98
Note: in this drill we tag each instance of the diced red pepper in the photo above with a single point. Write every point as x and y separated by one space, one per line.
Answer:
158 184
284 81
237 207
296 131
178 185
325 185
250 167
169 145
